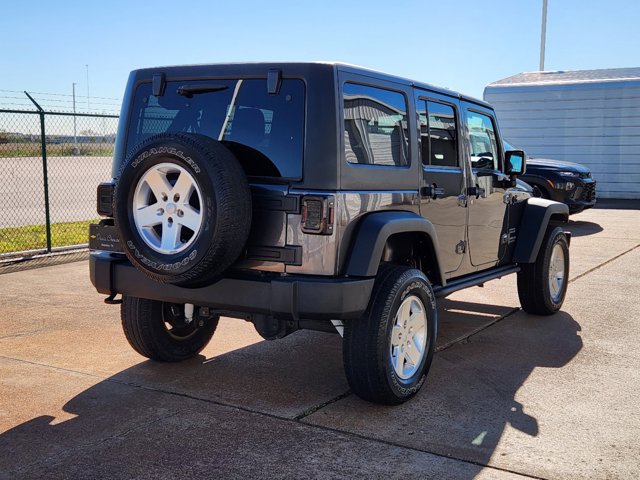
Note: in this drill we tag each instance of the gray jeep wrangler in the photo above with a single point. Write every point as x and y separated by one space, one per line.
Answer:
314 196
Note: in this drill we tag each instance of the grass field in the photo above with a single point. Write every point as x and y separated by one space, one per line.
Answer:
32 237
13 150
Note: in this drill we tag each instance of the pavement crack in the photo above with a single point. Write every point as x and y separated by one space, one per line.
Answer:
24 334
53 367
295 420
466 336
604 263
419 450
315 408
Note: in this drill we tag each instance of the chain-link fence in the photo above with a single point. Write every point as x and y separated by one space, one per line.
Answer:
50 166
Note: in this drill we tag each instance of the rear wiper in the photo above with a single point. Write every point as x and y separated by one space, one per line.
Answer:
191 90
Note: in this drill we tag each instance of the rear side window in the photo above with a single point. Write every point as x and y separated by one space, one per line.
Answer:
439 137
375 126
265 132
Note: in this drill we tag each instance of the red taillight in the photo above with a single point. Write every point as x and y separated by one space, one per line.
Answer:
317 215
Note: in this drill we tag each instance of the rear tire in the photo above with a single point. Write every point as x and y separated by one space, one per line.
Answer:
542 285
387 353
158 330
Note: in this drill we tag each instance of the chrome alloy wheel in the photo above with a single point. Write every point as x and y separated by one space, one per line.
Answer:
167 208
408 337
556 273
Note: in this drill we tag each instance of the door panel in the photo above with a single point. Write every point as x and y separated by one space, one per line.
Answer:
488 212
443 185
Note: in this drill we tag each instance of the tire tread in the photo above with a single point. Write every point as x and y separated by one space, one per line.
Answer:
364 345
141 322
533 281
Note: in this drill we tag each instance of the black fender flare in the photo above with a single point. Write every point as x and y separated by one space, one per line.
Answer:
374 230
533 225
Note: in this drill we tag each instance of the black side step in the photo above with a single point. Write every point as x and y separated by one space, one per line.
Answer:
474 279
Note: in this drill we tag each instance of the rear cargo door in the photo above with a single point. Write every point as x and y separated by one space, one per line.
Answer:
266 248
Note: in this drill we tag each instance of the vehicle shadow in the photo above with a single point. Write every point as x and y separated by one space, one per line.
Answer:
580 228
157 419
473 391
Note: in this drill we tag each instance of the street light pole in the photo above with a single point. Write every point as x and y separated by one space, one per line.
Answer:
87 65
543 34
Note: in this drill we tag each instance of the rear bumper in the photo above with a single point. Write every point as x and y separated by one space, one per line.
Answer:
286 297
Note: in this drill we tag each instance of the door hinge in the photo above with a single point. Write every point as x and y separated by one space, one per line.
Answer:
509 237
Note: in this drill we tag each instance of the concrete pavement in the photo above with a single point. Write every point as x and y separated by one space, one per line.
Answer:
509 395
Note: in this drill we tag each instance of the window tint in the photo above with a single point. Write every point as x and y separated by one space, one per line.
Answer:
375 126
265 132
439 139
482 141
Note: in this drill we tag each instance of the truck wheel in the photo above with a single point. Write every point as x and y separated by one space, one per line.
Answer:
182 208
387 353
542 285
160 330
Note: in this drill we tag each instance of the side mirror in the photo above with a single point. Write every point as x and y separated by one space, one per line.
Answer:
515 162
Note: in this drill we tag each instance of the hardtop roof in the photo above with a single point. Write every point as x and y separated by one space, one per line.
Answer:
254 68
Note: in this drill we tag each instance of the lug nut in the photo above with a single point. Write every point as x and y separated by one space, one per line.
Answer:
180 213
160 211
176 197
170 220
164 197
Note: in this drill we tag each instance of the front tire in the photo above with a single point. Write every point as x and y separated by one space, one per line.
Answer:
387 353
159 330
542 285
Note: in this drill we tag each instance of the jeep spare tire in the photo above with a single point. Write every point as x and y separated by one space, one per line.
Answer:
182 208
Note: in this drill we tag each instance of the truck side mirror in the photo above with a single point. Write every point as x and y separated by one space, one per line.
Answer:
515 162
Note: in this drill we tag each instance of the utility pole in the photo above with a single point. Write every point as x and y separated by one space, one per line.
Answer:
543 34
87 65
75 134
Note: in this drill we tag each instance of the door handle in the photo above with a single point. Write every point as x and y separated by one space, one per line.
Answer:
432 191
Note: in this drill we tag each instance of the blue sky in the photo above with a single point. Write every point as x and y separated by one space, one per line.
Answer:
463 44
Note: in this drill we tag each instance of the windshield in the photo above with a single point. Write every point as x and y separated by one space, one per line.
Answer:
265 132
508 146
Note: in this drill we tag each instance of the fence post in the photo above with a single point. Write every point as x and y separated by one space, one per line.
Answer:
45 172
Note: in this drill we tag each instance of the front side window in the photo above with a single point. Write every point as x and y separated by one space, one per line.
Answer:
375 126
482 141
439 139
265 132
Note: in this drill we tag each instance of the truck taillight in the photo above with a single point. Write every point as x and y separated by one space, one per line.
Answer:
105 199
317 215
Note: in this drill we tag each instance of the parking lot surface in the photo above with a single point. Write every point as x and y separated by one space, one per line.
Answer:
509 395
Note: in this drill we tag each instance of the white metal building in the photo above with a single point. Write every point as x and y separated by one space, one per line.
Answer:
586 116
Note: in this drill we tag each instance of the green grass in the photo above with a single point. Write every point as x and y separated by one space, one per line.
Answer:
12 150
32 237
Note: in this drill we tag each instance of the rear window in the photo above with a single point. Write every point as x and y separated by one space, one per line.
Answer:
265 132
375 126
